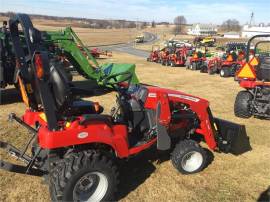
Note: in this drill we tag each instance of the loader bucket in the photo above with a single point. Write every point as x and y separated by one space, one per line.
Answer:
112 68
232 137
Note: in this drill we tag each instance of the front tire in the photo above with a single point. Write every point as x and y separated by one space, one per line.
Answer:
188 157
163 63
84 176
204 69
193 66
242 106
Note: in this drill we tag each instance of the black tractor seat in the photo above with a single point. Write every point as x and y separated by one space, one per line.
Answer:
79 107
263 69
66 95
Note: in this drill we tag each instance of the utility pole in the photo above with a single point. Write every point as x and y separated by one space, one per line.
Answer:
251 22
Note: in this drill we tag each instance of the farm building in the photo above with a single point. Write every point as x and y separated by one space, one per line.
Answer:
202 29
232 35
249 31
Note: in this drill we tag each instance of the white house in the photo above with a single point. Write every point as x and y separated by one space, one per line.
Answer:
249 31
202 29
232 35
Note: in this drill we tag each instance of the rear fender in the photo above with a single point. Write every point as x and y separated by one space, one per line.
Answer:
96 132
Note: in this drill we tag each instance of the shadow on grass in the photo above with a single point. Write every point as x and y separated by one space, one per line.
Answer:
135 171
9 96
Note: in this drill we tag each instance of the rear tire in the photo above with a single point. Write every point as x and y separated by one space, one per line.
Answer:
225 72
242 106
163 62
188 157
211 71
82 176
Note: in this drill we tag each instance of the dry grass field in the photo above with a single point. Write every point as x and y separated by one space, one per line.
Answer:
91 37
227 178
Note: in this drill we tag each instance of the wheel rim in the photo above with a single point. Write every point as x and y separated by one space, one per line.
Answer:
192 161
90 187
222 72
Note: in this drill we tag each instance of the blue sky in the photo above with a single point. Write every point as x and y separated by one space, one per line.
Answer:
146 10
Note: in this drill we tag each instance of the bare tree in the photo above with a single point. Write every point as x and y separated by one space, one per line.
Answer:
230 25
179 22
143 25
153 24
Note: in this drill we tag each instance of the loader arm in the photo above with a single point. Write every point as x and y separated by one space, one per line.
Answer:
218 134
81 58
69 42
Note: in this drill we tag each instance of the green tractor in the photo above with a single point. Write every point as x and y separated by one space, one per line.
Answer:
63 45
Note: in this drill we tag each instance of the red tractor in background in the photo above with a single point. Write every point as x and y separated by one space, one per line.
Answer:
164 55
227 64
154 55
196 61
179 57
231 64
213 65
96 53
254 77
76 147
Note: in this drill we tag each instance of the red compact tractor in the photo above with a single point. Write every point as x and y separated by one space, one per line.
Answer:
164 55
233 59
231 64
76 147
179 57
255 78
196 61
213 65
96 53
154 55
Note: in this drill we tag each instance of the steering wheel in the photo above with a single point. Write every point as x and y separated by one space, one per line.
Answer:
114 82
